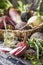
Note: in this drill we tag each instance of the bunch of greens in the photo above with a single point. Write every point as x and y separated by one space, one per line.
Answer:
5 4
1 11
36 43
36 62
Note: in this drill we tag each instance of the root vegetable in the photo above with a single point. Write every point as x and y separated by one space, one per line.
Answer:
1 23
19 51
14 50
14 15
7 20
23 44
34 20
16 18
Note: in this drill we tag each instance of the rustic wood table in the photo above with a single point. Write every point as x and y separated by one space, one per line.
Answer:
7 59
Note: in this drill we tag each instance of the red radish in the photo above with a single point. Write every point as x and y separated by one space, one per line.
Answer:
5 49
15 50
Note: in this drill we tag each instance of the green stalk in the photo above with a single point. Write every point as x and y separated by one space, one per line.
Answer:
33 43
5 4
9 3
38 9
37 50
36 62
38 43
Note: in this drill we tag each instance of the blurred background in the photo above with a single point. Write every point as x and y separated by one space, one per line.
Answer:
34 2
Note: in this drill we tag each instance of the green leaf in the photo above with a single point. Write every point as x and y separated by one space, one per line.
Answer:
36 62
20 3
5 4
38 9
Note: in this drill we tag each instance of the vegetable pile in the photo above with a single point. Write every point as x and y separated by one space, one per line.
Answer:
37 46
21 18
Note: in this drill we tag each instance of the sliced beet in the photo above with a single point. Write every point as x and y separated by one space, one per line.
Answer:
20 52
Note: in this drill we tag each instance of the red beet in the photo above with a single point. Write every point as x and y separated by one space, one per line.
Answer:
23 44
7 20
15 50
19 51
1 23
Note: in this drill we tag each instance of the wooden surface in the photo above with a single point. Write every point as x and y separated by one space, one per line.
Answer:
7 59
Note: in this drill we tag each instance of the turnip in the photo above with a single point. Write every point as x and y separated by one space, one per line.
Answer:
14 15
16 18
36 20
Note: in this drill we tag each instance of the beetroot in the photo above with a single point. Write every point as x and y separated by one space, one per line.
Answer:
1 23
23 44
19 51
7 20
14 50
